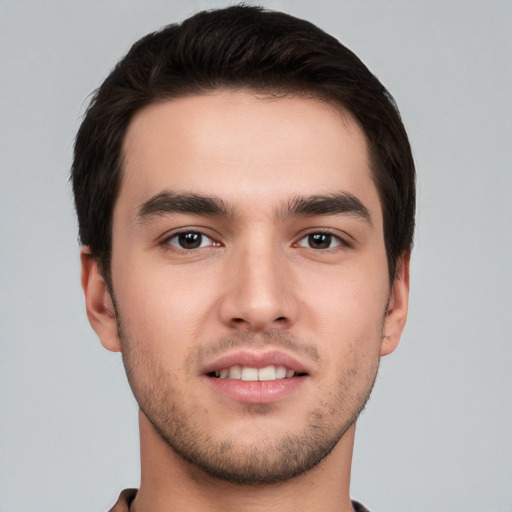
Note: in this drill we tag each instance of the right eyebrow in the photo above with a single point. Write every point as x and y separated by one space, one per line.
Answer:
167 202
330 204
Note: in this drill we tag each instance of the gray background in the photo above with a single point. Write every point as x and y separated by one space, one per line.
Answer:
436 434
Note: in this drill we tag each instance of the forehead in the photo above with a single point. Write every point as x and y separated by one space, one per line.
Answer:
243 147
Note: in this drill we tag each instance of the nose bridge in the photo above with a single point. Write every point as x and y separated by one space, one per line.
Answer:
258 295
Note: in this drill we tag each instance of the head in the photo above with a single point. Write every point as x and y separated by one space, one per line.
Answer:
239 48
245 194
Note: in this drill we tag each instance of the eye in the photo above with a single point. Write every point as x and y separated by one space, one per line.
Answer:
320 241
190 240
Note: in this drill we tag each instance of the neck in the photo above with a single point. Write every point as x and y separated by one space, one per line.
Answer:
169 483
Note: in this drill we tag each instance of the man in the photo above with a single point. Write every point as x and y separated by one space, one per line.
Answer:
245 195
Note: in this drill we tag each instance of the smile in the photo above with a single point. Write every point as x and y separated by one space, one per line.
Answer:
251 374
255 376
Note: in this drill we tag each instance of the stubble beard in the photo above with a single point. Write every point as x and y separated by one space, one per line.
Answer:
262 461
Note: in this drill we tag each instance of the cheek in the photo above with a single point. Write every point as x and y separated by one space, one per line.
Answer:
162 306
347 323
348 302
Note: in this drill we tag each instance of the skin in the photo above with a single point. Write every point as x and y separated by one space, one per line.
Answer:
258 282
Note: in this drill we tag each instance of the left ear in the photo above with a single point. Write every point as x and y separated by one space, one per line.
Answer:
396 315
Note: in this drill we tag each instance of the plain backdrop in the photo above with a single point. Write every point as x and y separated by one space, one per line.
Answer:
436 434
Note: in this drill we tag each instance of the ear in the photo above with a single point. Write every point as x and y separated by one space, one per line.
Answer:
396 315
98 303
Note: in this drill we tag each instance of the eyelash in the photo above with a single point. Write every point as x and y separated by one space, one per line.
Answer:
168 245
340 241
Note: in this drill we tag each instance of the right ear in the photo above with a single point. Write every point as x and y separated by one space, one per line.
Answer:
98 302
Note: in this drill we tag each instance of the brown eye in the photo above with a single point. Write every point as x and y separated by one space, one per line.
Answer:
320 241
190 240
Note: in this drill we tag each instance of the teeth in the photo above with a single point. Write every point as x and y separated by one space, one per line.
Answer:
281 372
267 373
235 372
249 374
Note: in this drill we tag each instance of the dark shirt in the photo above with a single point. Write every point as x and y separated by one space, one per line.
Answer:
127 496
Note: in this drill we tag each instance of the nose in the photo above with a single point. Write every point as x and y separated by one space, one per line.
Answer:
260 295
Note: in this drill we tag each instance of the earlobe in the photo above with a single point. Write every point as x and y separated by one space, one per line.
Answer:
396 315
98 303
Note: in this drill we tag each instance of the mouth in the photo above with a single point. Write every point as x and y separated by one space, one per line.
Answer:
253 374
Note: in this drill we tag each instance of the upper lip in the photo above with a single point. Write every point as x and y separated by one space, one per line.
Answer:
256 359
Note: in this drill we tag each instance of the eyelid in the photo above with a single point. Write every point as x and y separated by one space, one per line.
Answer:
344 239
204 238
337 240
165 240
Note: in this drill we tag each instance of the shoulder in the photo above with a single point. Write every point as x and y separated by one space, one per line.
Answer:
358 507
124 500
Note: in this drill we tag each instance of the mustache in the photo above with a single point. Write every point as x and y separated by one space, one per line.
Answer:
240 340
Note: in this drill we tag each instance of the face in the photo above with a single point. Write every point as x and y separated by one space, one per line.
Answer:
250 280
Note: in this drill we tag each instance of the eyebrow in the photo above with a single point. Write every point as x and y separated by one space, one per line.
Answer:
168 202
173 202
330 204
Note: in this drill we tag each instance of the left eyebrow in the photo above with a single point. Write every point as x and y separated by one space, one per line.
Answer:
168 202
331 204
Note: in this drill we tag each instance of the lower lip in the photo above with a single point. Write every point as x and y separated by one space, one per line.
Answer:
256 392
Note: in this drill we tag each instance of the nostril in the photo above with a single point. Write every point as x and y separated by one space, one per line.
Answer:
258 322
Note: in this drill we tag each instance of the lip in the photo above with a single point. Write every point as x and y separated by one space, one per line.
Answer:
256 359
256 392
